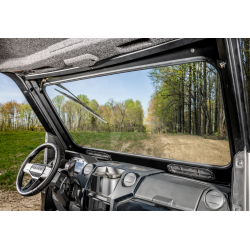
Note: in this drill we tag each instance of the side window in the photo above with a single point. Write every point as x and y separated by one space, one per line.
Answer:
173 112
15 112
20 132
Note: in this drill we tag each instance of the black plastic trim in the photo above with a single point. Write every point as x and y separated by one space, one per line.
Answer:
118 59
234 93
203 48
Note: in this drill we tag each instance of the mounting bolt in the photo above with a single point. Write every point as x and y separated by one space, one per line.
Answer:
240 163
222 65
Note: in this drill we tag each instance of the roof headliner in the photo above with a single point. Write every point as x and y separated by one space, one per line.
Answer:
48 54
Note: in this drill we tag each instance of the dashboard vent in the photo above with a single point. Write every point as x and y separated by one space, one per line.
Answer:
88 169
214 199
129 180
192 172
99 155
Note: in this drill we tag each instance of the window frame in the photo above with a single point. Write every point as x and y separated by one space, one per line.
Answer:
112 71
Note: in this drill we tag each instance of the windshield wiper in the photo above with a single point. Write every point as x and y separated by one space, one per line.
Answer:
75 99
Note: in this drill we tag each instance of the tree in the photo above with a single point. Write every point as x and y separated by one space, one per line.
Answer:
29 116
58 102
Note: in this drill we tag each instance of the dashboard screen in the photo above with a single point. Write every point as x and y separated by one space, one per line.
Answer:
79 166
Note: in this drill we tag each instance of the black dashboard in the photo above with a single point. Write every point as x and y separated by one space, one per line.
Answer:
85 184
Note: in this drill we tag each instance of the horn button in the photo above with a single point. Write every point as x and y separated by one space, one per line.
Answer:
37 170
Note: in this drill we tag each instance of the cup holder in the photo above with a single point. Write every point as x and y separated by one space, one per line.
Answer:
104 180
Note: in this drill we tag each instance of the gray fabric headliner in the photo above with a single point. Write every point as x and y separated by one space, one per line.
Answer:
49 54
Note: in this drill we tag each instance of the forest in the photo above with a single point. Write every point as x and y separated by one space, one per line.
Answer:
187 99
125 116
18 116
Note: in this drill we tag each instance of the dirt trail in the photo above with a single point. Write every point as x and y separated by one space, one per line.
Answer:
13 201
186 148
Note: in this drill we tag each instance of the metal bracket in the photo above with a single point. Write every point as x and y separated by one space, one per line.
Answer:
222 64
41 84
240 182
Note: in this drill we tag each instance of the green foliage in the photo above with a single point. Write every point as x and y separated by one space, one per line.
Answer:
121 116
16 116
58 101
14 148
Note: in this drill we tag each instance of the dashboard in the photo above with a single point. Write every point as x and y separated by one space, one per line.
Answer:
85 184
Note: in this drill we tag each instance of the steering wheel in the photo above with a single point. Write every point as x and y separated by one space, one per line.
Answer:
41 174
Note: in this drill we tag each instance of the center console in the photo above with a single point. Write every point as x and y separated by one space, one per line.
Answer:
101 187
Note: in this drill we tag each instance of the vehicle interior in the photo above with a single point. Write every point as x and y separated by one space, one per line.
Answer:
134 124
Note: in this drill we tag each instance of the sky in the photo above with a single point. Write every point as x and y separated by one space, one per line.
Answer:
134 85
9 90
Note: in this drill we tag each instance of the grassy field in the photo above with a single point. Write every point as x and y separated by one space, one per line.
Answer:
16 146
112 141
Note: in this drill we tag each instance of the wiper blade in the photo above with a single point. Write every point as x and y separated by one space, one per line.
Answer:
75 99
59 85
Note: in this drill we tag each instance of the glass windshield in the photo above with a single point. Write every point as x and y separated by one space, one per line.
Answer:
171 112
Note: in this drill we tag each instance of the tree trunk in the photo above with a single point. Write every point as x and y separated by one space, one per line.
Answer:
179 109
182 100
204 100
199 100
216 105
209 129
194 102
189 99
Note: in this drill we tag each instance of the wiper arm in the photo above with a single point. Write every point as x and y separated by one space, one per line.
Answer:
75 99
59 85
